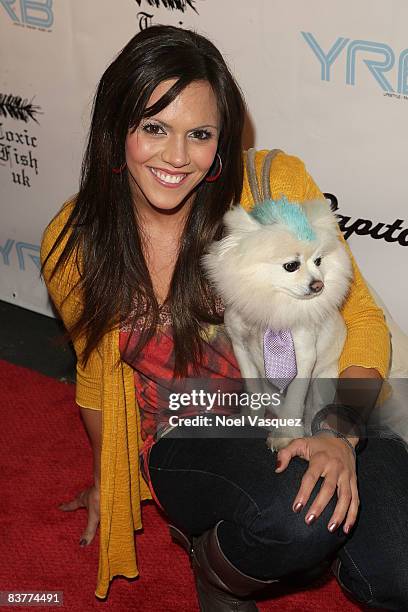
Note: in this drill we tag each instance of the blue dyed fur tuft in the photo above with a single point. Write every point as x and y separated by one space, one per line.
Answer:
286 213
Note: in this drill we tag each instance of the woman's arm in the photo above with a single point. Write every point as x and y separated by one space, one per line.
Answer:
92 420
67 301
367 349
89 498
88 387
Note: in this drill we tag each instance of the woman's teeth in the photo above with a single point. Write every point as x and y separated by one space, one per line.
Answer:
168 178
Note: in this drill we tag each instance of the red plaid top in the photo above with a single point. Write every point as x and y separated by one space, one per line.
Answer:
153 369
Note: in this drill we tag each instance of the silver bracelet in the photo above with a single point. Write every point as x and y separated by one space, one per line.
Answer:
337 434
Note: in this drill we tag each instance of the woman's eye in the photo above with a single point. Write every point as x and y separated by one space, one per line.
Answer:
292 266
201 134
152 128
318 261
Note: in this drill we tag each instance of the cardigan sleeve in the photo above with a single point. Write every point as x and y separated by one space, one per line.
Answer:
62 288
368 339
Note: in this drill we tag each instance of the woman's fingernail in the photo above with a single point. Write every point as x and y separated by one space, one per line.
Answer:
278 463
82 542
310 519
298 507
347 528
332 527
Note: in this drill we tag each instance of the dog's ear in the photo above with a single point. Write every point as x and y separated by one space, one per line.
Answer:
320 215
238 220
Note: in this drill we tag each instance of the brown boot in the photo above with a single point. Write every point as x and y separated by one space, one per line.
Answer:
221 587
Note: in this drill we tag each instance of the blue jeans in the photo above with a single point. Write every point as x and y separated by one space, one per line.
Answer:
200 481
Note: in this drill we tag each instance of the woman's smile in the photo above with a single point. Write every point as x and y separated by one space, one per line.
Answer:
167 178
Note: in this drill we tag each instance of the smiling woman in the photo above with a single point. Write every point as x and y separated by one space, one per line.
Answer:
122 263
164 113
169 154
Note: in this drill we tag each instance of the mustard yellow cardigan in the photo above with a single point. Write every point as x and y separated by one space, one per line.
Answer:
103 386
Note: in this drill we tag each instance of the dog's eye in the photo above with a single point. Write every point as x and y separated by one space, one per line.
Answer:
318 261
292 266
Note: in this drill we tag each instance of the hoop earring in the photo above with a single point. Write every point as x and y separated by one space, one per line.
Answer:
120 169
215 177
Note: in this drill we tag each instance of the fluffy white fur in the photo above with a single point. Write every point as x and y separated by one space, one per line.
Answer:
246 268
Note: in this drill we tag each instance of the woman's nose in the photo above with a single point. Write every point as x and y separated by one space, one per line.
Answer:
176 152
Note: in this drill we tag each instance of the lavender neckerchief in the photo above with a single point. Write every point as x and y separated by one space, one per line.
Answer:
279 357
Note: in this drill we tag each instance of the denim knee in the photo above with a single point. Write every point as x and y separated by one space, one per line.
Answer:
305 546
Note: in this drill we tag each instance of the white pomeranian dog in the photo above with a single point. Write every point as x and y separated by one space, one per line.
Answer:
283 266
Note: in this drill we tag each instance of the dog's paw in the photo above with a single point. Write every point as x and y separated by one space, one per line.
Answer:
275 444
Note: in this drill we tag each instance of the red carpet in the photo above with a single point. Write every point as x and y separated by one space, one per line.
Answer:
45 460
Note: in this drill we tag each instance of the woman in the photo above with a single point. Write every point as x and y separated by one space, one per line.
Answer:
121 262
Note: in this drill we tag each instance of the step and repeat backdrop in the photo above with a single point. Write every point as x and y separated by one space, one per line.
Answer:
326 81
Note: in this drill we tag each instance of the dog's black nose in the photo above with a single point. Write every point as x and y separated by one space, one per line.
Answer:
316 286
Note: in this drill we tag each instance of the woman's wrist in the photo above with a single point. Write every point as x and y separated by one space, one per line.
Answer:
356 395
353 440
350 442
92 420
343 422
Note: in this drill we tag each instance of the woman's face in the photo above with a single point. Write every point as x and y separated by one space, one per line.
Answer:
170 153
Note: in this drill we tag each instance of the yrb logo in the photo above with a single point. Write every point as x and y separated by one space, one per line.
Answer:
30 12
23 252
356 51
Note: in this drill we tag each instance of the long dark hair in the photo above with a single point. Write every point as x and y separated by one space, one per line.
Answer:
104 235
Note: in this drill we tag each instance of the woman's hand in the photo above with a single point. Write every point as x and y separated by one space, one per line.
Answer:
332 459
88 498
